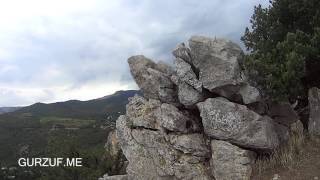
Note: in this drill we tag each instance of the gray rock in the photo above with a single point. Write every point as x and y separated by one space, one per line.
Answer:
283 113
217 61
230 162
141 164
153 83
183 52
249 94
155 147
186 74
188 96
188 170
112 145
151 156
175 79
164 68
194 144
236 123
142 113
172 119
314 117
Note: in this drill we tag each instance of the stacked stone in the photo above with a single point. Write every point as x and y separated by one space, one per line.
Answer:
194 121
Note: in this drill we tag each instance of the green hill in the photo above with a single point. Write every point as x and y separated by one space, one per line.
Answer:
57 129
96 108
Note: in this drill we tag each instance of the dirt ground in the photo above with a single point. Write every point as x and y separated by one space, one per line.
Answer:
307 168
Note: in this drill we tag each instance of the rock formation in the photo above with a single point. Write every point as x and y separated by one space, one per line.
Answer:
314 117
196 120
112 145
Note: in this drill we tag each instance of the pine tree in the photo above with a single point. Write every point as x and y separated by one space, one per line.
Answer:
283 43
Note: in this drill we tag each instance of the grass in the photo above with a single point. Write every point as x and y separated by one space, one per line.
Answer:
298 159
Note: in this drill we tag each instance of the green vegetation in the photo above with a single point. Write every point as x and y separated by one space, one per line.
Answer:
65 129
66 122
284 45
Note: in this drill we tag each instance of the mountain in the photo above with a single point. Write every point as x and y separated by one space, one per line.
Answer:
8 109
54 129
100 108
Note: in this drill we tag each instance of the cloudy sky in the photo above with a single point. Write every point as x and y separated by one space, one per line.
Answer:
55 50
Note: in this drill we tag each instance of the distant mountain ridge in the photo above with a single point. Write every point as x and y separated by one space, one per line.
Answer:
8 109
91 109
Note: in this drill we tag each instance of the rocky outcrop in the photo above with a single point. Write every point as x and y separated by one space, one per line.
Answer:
197 120
314 117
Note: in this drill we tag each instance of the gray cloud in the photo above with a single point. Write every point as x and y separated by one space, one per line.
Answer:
53 57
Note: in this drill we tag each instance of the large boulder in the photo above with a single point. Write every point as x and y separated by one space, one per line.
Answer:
230 162
218 62
237 124
314 117
153 83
